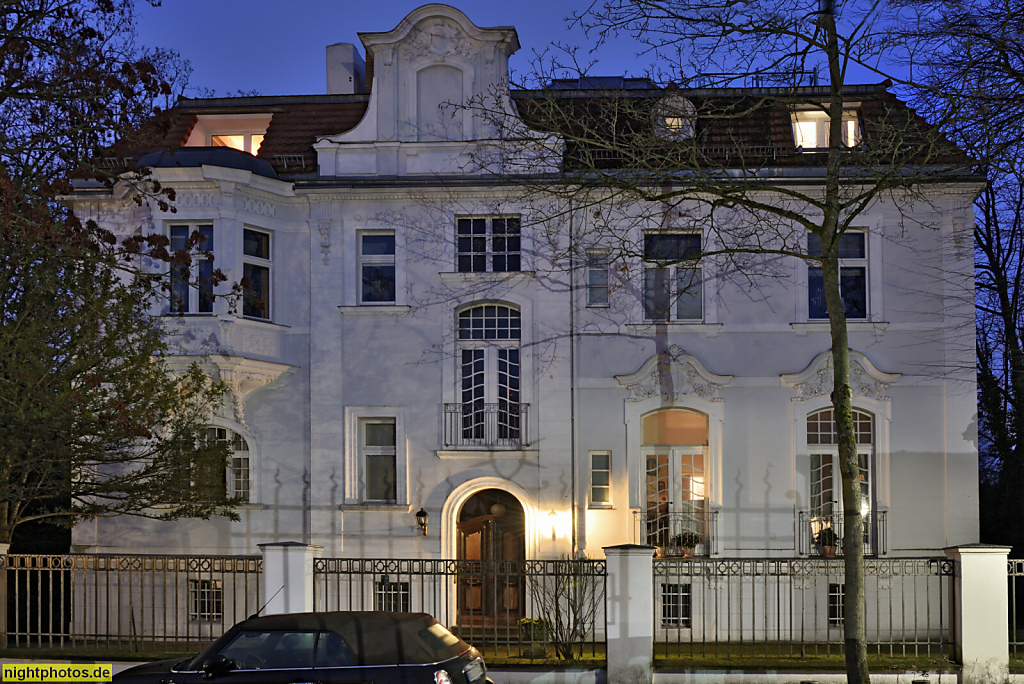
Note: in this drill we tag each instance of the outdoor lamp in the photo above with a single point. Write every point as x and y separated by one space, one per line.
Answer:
421 519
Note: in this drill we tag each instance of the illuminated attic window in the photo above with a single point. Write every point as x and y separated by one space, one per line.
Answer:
811 129
240 132
674 118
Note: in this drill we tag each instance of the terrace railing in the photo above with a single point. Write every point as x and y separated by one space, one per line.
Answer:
810 526
476 425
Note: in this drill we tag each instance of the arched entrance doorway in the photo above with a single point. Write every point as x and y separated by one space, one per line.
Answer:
491 546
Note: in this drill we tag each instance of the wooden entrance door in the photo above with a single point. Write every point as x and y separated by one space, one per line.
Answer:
491 549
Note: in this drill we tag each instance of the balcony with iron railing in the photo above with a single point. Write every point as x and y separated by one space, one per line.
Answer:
476 425
673 533
813 529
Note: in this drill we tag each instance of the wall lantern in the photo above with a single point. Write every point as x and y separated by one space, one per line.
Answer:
421 519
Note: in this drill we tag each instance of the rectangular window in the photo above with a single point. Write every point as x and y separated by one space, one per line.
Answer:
195 296
488 244
676 605
597 278
256 274
246 142
673 284
205 600
379 458
377 268
836 604
393 596
600 479
811 130
853 280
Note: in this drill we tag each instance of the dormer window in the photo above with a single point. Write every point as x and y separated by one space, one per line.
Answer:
811 129
674 118
243 132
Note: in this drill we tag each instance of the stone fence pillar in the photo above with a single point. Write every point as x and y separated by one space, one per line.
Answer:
980 612
287 585
4 549
629 613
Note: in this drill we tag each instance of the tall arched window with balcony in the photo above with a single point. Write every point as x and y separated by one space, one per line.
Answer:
489 412
824 517
675 450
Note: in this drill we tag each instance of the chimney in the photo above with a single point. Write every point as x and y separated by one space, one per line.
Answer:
346 70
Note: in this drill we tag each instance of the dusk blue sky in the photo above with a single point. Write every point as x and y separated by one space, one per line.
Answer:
277 47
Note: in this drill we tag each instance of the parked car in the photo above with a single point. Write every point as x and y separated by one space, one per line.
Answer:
353 647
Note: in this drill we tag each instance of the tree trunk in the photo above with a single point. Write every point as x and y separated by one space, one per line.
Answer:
854 623
849 465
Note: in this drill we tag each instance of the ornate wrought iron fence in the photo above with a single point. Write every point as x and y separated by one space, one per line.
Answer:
795 607
542 608
1015 576
127 602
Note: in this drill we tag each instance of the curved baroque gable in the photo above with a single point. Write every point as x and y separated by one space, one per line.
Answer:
865 379
672 375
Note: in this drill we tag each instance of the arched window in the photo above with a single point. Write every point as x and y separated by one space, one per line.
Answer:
826 492
489 376
237 476
675 449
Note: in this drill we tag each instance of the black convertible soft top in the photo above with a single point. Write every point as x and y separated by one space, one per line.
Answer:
374 637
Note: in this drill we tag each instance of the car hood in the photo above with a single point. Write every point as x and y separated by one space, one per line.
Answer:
156 667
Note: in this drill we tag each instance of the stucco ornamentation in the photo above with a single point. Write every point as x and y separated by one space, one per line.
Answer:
438 39
256 342
673 375
195 199
324 226
865 379
185 338
243 377
258 207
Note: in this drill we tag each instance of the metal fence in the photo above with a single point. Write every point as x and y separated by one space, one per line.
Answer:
795 607
532 609
1015 590
480 425
136 602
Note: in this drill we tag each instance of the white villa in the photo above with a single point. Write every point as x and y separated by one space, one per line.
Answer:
417 339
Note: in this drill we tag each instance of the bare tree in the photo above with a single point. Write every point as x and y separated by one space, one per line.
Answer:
976 57
685 146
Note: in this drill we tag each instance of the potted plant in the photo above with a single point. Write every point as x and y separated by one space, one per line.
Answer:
828 540
534 634
686 542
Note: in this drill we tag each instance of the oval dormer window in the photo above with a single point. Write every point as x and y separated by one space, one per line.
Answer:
674 118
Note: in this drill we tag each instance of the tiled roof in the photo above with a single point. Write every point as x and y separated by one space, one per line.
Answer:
295 124
741 127
749 126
